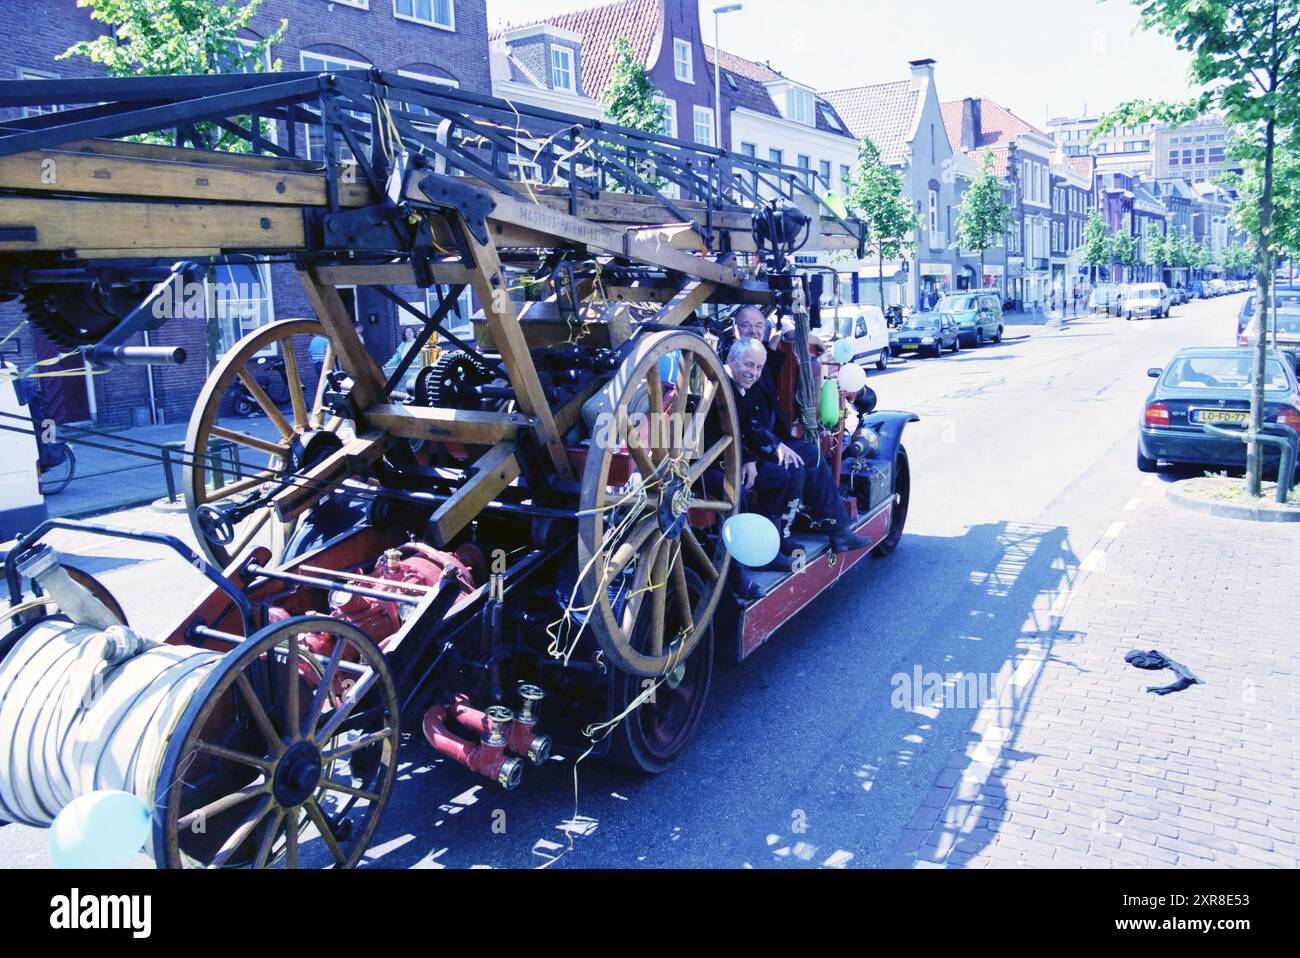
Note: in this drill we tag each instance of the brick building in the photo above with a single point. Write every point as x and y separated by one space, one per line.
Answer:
440 41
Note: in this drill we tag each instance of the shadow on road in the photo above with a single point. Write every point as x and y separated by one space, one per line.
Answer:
826 721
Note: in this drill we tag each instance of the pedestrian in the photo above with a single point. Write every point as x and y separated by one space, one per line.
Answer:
317 348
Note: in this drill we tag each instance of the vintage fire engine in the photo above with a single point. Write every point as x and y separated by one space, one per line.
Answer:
499 548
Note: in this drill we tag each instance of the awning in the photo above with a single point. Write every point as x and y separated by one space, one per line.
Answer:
935 269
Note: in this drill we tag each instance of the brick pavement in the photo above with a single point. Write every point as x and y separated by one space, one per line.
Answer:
1077 765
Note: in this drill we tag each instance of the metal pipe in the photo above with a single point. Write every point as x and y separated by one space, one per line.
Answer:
255 569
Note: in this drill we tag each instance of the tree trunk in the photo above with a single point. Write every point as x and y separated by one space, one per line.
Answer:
880 280
1263 280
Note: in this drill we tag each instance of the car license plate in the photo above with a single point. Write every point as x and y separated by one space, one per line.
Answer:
1237 417
909 345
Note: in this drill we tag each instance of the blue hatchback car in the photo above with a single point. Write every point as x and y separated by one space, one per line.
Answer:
1212 385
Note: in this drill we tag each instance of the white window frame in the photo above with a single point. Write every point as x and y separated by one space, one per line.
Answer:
670 116
793 96
700 115
26 73
565 54
265 305
359 4
433 8
331 63
688 62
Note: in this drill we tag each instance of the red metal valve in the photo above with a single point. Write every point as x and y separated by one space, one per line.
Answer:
488 757
522 738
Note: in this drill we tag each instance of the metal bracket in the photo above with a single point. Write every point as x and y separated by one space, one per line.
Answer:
475 205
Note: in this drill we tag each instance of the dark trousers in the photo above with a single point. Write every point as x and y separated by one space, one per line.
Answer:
778 490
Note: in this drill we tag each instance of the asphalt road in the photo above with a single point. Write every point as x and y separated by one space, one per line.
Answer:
1023 456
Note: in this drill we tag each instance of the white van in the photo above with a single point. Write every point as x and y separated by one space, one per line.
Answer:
866 327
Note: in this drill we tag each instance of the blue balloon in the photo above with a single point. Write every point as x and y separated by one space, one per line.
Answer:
751 539
842 351
103 829
668 365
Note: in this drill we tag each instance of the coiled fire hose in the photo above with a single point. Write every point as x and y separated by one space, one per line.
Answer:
86 706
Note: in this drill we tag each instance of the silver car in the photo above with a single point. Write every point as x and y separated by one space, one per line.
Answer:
1146 300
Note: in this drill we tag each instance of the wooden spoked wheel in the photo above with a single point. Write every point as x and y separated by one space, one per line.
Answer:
664 456
284 757
285 410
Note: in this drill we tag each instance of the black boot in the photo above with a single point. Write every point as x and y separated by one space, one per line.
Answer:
843 539
743 585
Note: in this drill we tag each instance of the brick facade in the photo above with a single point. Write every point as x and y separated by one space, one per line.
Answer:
34 32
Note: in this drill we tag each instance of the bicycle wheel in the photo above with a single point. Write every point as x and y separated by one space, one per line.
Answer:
56 478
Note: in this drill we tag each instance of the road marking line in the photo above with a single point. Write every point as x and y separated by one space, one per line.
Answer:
1092 560
1114 530
1132 504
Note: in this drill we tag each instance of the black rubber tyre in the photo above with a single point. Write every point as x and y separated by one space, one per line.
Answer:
903 489
55 479
882 361
654 734
998 337
979 338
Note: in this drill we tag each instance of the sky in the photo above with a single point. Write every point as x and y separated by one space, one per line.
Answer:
1039 58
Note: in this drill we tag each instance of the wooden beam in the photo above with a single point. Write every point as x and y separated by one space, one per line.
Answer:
491 287
495 470
446 425
60 224
71 172
391 274
688 298
324 477
349 350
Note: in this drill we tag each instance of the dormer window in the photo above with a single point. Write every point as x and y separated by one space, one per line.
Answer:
562 69
799 106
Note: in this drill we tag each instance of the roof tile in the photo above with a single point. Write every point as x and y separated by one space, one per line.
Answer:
883 111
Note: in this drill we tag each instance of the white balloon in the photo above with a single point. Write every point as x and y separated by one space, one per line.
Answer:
842 351
751 539
102 829
852 377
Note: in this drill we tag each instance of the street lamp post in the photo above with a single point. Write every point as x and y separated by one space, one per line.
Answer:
717 70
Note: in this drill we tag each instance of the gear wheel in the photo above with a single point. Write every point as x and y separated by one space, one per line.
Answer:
79 314
450 381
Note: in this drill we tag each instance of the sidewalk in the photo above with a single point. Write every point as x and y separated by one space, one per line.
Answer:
1078 765
123 468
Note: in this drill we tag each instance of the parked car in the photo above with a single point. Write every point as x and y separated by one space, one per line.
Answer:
1104 299
1285 301
1145 300
1211 385
1179 294
1196 289
1217 287
927 333
978 316
867 329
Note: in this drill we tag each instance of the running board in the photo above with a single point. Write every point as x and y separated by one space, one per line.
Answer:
787 593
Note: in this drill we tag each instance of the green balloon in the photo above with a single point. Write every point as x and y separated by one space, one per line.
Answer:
829 407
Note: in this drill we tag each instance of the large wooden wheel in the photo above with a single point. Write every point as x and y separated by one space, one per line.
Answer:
233 389
283 758
643 487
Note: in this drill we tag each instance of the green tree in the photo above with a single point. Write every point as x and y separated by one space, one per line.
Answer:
1285 232
1246 59
1096 243
630 99
1155 253
1124 249
984 212
172 37
874 194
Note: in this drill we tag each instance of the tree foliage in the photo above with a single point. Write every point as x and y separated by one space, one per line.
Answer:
630 99
984 212
172 37
1246 59
874 194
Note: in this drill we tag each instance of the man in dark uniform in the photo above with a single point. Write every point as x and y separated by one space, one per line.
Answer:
779 471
